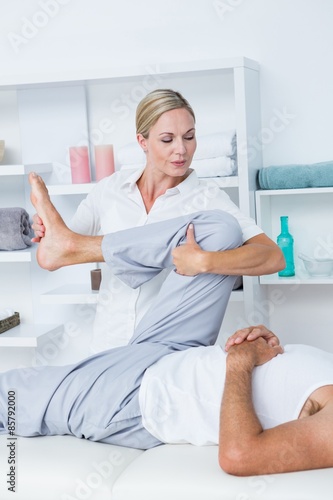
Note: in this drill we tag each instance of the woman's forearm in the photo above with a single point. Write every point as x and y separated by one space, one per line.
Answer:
256 257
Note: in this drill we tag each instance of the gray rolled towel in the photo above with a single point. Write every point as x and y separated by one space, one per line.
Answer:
15 229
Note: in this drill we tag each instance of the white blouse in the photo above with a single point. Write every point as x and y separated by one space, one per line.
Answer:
116 204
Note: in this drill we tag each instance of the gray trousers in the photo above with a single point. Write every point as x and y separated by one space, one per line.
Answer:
97 398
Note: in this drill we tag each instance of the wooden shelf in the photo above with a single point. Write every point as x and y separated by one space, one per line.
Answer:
28 335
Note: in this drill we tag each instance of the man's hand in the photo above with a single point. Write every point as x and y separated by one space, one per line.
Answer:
254 353
38 227
252 333
188 258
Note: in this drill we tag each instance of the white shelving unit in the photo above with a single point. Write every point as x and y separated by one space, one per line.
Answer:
25 334
310 212
64 101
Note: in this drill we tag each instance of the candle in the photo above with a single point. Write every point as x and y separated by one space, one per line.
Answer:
79 161
104 161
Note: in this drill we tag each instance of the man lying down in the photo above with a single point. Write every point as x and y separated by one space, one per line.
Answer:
269 411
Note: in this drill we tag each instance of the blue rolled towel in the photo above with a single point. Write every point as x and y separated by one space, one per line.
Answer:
296 176
15 229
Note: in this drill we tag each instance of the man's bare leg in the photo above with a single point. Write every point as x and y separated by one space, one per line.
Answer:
60 246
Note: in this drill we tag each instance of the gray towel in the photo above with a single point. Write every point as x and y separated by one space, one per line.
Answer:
296 176
15 229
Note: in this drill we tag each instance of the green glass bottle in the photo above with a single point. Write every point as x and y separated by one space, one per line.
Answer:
286 243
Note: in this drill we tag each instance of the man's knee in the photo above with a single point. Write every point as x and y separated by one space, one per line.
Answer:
217 230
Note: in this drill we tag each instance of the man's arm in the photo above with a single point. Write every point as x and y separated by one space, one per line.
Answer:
245 449
257 256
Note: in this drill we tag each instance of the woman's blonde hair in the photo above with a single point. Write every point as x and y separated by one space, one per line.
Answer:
154 104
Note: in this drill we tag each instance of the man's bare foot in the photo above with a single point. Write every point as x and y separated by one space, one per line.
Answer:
60 246
56 247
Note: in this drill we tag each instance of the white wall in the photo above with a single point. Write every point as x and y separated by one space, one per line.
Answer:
290 40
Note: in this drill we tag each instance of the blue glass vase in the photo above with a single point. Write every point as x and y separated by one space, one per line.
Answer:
286 243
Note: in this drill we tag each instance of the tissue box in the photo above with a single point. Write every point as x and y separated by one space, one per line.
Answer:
10 322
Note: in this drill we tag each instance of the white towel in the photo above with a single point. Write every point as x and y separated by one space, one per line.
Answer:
216 145
221 166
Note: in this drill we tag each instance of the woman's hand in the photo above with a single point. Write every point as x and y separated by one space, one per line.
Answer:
38 227
189 257
252 333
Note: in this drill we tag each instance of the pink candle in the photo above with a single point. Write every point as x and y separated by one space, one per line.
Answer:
104 161
79 161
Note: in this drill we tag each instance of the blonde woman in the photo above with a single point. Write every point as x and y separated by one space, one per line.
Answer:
164 189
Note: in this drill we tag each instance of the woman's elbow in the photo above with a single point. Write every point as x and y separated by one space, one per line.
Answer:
277 261
281 262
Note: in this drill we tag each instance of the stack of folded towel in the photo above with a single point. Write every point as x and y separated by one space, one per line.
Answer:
215 156
15 229
296 176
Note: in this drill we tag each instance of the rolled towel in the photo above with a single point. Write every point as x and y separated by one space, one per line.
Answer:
15 229
296 176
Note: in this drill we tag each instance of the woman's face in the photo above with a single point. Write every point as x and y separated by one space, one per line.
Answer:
171 143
